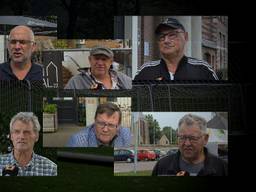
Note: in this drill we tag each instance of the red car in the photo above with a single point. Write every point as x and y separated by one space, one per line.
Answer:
145 154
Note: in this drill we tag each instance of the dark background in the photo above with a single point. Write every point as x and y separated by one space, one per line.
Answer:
94 19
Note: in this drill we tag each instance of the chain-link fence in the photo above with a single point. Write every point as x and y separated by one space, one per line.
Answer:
16 96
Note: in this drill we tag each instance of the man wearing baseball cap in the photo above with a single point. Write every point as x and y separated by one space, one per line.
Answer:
100 75
174 65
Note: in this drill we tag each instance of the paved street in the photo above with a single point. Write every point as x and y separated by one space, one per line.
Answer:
61 136
127 167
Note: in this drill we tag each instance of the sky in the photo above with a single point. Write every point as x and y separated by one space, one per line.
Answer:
172 118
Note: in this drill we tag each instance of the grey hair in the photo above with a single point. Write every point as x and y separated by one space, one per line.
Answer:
191 119
26 117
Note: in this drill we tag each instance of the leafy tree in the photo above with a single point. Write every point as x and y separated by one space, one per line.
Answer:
60 44
4 131
168 133
154 129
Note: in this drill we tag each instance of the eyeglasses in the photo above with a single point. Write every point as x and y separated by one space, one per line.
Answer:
192 139
170 36
103 124
21 42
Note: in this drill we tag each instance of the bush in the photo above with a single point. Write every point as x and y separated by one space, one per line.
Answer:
50 108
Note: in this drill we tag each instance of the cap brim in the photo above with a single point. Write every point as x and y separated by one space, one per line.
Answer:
162 25
102 53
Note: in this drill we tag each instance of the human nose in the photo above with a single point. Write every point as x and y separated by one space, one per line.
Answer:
21 135
105 128
187 141
99 61
17 45
165 38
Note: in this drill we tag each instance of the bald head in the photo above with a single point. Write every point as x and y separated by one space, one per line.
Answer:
21 45
22 30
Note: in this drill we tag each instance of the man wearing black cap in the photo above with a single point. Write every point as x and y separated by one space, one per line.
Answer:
100 75
174 65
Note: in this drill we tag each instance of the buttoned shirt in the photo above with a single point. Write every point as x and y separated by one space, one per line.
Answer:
87 138
85 80
97 82
37 166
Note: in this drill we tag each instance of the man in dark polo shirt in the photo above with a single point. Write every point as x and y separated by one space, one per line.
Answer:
21 45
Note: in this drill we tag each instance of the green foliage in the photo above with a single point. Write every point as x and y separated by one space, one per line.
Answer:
154 129
4 131
138 173
50 108
60 44
170 132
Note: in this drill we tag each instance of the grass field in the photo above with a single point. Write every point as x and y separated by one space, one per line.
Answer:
138 173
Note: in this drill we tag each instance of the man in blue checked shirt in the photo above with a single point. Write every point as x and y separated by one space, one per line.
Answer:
105 131
22 161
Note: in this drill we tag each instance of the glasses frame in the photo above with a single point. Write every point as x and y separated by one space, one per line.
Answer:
192 139
102 124
20 41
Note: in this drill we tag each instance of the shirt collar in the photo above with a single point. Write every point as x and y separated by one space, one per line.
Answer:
30 163
113 76
34 70
165 72
7 69
100 144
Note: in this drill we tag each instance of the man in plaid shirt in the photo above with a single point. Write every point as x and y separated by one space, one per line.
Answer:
22 161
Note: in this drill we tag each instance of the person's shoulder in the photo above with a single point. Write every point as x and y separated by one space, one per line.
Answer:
150 64
37 68
125 131
198 62
148 71
123 138
36 72
124 80
44 160
80 139
167 159
4 66
83 132
78 77
203 67
79 81
215 160
123 75
38 65
4 157
217 165
166 162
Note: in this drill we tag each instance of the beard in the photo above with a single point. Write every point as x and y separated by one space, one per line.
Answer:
19 62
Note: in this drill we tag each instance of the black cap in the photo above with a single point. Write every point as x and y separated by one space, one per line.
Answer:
171 23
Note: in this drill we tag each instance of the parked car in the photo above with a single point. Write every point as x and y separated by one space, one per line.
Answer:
145 154
124 155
